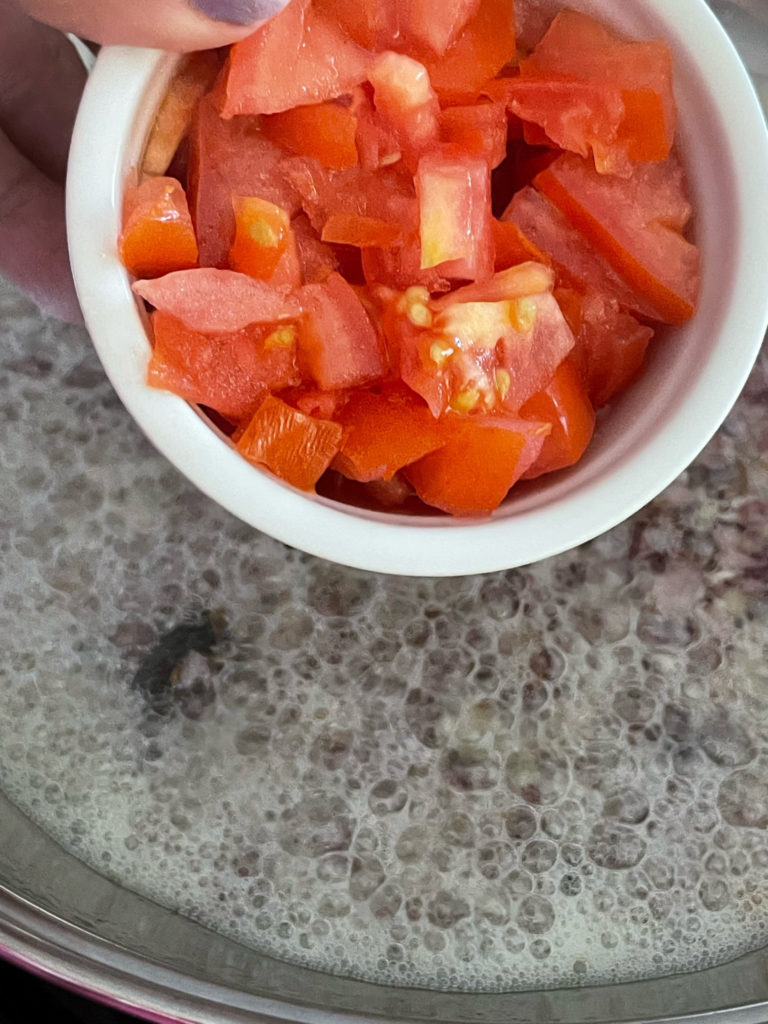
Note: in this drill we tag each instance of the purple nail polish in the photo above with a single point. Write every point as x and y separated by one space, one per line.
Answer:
239 12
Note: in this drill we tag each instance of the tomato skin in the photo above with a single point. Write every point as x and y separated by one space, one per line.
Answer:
338 345
636 223
230 372
384 430
298 57
454 196
563 404
360 231
295 447
325 131
471 474
157 235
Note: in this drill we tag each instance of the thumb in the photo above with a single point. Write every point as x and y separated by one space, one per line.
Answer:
165 24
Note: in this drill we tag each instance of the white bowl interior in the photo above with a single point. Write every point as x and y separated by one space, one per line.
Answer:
693 376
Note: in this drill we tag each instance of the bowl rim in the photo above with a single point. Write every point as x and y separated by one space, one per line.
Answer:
385 542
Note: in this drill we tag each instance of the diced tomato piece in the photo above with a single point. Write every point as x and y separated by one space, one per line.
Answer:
324 405
517 282
218 301
157 236
636 223
229 372
298 57
404 97
455 216
262 236
316 259
228 159
563 404
583 117
576 261
288 272
325 131
374 24
481 50
511 246
384 431
399 267
338 345
295 447
363 232
474 470
610 344
375 139
480 129
437 23
582 48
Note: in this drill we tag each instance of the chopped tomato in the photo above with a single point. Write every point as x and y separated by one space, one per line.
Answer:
298 57
295 447
374 138
262 237
471 474
576 261
480 129
228 159
636 223
565 406
404 97
363 232
158 236
230 372
374 24
316 259
325 131
455 215
338 345
582 49
437 23
511 246
610 344
480 51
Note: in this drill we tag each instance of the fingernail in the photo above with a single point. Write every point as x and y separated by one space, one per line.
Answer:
239 12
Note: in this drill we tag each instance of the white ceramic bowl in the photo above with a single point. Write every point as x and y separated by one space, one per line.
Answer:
692 379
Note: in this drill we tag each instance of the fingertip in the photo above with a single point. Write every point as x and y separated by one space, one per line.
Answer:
239 12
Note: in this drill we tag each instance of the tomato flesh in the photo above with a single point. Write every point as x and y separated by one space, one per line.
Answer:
157 235
563 404
326 131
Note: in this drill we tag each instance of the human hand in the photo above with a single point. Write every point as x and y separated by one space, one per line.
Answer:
41 79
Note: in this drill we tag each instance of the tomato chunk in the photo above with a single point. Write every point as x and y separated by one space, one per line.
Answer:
455 215
404 97
473 471
262 237
480 129
565 406
295 447
480 51
636 223
325 131
384 431
363 232
299 57
158 236
338 344
583 49
212 301
437 23
230 372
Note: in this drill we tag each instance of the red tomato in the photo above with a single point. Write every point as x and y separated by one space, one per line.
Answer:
563 404
384 431
404 98
298 57
455 215
480 51
157 229
471 474
295 447
363 232
215 301
325 131
374 24
228 159
229 372
610 344
636 223
577 262
375 139
437 24
316 259
480 129
581 48
338 345
262 237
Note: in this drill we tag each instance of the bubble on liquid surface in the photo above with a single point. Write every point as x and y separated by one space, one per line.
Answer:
556 775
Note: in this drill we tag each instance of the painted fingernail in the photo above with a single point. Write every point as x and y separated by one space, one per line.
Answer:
239 12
